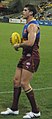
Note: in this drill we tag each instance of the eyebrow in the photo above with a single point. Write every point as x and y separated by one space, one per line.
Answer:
25 9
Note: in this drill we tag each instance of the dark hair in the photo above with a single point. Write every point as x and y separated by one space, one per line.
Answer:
32 8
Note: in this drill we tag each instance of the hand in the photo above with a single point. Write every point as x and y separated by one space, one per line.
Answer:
16 46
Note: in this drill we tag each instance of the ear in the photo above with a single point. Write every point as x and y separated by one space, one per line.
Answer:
31 13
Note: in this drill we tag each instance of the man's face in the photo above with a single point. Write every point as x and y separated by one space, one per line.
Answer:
26 12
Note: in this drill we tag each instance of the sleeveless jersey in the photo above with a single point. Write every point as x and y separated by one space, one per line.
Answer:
30 49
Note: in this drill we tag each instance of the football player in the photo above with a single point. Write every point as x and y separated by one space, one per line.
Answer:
28 63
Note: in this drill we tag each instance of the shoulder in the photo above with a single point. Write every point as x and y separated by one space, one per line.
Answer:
32 27
34 22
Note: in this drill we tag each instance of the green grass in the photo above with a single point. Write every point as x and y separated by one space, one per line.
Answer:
42 79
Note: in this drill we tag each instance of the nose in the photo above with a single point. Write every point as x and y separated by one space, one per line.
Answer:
23 12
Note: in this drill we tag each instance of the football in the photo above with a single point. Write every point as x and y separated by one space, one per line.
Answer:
15 38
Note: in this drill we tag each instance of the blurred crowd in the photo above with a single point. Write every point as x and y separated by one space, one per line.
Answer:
44 10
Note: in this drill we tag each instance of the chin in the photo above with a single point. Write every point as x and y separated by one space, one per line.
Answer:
24 17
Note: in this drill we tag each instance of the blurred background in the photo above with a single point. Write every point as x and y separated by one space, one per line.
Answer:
13 8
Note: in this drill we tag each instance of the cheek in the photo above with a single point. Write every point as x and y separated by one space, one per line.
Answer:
27 13
24 13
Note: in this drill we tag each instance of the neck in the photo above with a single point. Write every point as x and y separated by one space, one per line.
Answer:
29 18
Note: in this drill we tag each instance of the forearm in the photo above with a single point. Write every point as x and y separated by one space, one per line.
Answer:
25 43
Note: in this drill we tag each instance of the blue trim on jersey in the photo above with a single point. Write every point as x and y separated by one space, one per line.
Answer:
34 22
25 32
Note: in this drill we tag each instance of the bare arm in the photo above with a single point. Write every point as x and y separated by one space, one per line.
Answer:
32 31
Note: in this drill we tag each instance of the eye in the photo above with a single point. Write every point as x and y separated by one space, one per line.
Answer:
25 10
